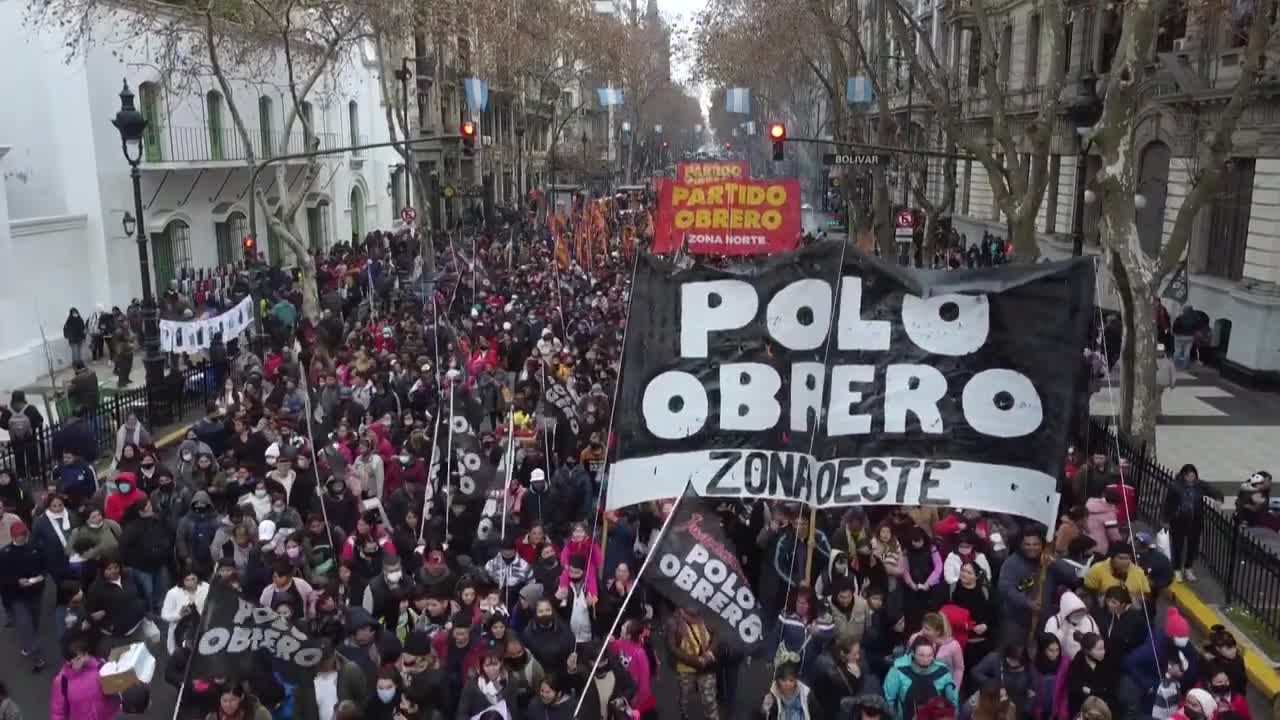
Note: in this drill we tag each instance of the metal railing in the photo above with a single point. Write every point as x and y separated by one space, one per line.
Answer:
1246 568
210 144
34 458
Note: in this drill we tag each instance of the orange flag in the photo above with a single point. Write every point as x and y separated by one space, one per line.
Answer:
562 252
628 241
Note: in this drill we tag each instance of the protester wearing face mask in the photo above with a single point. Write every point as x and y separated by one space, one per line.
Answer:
150 470
183 599
384 593
1198 705
1090 673
386 696
1171 643
126 494
256 499
104 535
1225 654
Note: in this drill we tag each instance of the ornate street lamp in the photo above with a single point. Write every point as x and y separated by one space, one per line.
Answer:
132 124
1085 111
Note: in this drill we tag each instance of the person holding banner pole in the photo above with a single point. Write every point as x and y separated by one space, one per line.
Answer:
622 610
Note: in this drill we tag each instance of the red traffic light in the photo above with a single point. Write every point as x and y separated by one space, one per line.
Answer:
247 242
778 131
468 129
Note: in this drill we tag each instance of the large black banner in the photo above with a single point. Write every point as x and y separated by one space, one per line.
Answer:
864 384
234 629
695 565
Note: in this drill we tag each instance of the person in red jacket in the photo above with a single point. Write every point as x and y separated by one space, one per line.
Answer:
126 495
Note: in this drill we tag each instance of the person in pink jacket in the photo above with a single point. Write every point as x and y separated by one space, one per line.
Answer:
580 543
1101 514
948 650
77 686
630 647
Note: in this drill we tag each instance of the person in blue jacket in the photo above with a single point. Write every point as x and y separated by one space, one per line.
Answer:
803 632
1144 667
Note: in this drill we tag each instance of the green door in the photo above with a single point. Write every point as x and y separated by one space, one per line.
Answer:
150 97
222 232
162 258
315 229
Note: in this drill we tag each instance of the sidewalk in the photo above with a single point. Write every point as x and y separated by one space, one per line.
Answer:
1228 432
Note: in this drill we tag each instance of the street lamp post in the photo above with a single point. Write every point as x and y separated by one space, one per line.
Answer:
1084 112
520 163
585 140
131 123
403 75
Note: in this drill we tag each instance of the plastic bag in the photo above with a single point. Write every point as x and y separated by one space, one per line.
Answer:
1164 544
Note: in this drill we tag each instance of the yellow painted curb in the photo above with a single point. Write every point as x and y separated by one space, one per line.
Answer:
1261 675
174 437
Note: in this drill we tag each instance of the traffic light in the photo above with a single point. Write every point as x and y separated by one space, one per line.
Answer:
468 138
778 134
249 246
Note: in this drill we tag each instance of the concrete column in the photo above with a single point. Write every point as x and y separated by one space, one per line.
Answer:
1262 256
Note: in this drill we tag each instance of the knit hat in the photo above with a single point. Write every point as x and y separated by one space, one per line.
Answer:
1206 701
531 593
18 529
1176 626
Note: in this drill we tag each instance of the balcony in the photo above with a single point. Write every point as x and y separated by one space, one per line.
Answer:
168 146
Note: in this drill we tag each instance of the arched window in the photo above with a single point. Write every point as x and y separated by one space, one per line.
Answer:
149 99
353 121
357 214
318 226
1153 186
171 253
213 116
266 127
229 234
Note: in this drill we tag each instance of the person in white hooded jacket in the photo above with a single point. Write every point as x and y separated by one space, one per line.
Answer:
185 597
1073 618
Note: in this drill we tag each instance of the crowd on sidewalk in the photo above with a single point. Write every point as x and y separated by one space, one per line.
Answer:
310 487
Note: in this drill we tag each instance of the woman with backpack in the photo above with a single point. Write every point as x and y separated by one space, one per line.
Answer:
22 420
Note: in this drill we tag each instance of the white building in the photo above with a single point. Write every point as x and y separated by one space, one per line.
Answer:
67 185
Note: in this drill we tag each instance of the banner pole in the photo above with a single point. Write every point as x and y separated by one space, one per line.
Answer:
511 461
812 541
622 609
448 458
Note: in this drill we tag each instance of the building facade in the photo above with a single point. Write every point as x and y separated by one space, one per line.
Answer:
67 186
1234 257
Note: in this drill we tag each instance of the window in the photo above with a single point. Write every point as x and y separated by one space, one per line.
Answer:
229 234
1153 185
1051 211
266 127
357 214
975 58
318 226
464 55
308 129
1006 54
149 97
1066 43
171 253
397 188
1110 40
213 114
1228 227
1031 77
353 121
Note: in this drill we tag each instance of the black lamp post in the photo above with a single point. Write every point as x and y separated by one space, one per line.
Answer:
585 139
131 125
404 74
520 162
1085 111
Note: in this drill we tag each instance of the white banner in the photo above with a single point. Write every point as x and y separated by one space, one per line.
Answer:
797 477
193 335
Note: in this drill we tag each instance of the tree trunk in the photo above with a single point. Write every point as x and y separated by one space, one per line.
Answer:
1022 233
306 267
1141 349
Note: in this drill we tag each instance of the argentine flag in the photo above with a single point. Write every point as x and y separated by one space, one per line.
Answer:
477 94
738 100
609 96
859 91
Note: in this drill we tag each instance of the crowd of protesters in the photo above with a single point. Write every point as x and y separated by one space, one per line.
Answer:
437 604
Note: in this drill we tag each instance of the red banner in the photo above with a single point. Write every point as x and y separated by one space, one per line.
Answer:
702 173
729 217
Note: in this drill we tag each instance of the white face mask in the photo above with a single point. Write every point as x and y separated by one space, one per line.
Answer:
386 695
260 492
394 576
1181 642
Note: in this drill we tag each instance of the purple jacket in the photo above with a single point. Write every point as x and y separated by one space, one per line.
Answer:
83 692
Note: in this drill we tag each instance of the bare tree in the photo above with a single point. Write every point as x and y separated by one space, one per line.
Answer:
215 39
1137 272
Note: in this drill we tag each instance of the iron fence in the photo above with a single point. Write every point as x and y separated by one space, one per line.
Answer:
1247 569
183 394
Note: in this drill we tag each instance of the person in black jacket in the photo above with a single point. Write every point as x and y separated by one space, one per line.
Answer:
491 688
23 422
842 673
1183 515
74 332
1122 625
608 674
22 580
146 545
548 637
1091 674
118 607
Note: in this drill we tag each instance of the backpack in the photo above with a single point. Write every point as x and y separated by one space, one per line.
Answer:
202 534
19 425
